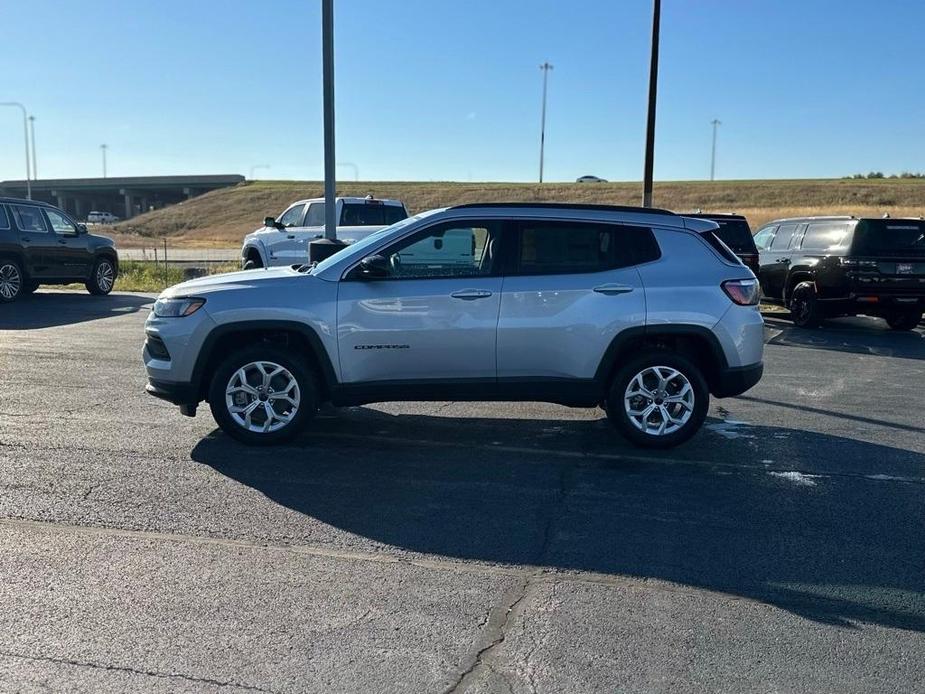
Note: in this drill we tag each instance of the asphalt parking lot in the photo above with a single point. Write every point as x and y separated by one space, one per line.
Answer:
431 547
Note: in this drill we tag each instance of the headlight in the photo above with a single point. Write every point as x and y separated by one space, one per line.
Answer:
177 308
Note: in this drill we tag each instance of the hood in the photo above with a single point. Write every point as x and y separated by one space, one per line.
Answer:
244 279
95 241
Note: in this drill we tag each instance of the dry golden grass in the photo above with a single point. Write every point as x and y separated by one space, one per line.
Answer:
221 218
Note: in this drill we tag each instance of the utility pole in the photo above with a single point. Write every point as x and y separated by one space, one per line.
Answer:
715 122
103 148
35 166
650 123
25 132
545 67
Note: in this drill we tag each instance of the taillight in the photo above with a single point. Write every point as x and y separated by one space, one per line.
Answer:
742 292
859 264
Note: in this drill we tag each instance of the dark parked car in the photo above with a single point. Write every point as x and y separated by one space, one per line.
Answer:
735 233
41 244
823 267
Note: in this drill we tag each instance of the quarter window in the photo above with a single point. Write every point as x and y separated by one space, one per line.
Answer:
293 216
61 224
454 249
29 218
824 235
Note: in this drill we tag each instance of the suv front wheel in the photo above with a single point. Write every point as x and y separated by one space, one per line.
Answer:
11 280
102 279
659 400
261 395
905 320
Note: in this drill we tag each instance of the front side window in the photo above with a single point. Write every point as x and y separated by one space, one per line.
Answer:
782 238
4 220
548 248
61 224
293 216
29 218
315 216
454 249
764 236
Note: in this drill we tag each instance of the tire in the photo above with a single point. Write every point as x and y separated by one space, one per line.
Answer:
304 391
804 308
12 281
251 264
678 372
103 277
907 320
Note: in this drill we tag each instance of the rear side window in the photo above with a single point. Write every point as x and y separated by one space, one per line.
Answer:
371 214
315 216
901 237
556 248
736 234
4 220
821 236
29 218
781 240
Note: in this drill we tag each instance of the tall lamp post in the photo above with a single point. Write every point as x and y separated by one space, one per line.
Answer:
715 123
103 149
35 166
25 132
650 122
545 67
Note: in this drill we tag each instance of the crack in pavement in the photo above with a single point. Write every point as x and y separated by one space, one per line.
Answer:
135 671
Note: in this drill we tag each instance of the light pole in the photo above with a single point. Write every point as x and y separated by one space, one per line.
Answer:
103 149
650 122
35 166
545 67
356 169
25 132
715 122
255 167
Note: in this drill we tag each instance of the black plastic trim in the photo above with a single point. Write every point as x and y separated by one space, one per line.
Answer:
564 206
735 381
177 393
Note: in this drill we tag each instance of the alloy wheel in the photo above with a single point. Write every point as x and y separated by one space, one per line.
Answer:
10 281
262 396
105 276
659 400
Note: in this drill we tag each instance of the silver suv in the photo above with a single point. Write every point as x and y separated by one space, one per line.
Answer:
640 311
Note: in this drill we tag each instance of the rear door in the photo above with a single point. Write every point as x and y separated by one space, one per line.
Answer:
572 286
434 316
37 240
288 246
70 256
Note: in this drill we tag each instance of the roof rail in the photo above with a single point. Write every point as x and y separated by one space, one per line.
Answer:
568 206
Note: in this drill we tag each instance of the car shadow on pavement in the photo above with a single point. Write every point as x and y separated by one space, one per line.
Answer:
854 335
49 309
823 533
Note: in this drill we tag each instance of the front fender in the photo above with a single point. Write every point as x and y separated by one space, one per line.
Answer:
257 246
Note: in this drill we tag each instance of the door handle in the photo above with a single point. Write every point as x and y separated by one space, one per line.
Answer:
291 236
783 260
62 242
471 294
610 289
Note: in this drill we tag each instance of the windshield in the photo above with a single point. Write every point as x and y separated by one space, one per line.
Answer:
363 214
369 241
903 237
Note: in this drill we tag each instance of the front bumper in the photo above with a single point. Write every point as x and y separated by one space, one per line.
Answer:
734 381
176 393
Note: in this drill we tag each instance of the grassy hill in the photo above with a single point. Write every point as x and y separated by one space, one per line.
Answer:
221 218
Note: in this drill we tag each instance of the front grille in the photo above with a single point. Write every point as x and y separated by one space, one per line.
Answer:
157 348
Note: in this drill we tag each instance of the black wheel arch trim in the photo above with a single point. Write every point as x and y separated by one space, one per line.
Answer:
199 378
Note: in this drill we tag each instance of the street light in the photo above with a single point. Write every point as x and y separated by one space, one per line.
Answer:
103 148
545 67
715 122
35 166
255 167
650 122
25 132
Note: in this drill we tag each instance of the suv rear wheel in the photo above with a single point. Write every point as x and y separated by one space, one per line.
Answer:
658 400
11 280
906 320
262 395
804 309
102 278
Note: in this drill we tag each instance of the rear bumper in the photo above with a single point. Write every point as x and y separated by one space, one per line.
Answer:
177 393
735 381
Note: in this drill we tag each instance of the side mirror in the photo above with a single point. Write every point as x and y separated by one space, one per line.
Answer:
270 222
81 229
373 267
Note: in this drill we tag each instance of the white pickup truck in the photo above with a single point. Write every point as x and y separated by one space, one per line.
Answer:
284 240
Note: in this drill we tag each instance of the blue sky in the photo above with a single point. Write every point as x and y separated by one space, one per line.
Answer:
450 90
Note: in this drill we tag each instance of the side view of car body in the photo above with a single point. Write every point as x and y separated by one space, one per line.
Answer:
735 232
284 240
639 310
96 217
41 244
823 267
590 179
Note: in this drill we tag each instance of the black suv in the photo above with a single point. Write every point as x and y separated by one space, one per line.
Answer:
40 244
822 267
735 233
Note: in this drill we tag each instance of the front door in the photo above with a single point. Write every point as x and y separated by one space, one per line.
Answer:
287 245
70 255
775 261
38 241
434 315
